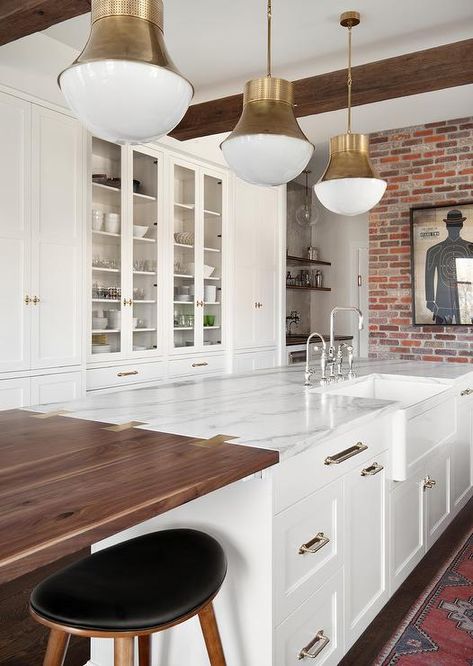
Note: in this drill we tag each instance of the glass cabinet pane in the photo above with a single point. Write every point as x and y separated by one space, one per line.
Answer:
184 239
106 248
212 270
145 226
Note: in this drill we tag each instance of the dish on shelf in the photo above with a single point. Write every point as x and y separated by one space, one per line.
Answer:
97 219
114 182
184 238
184 298
208 271
139 348
112 223
99 178
139 231
101 349
99 323
190 268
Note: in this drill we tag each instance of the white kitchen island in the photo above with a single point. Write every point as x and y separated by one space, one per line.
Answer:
317 544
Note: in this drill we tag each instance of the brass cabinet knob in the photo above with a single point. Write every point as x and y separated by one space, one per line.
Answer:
467 391
36 300
27 300
429 483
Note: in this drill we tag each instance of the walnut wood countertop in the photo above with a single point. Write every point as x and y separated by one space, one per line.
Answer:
66 483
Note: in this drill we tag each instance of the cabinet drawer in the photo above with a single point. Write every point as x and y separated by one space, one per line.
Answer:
196 365
123 375
61 387
302 474
307 547
322 612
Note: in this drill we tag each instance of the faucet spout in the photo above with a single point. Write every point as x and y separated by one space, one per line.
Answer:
332 321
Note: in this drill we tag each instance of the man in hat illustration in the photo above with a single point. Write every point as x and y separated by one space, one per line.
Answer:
441 283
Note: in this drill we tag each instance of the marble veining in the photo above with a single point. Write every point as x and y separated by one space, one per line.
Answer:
267 409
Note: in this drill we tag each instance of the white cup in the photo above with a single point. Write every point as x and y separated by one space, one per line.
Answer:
112 223
210 293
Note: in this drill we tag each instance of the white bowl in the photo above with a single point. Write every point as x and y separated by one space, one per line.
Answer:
208 271
99 323
101 349
184 298
138 231
184 238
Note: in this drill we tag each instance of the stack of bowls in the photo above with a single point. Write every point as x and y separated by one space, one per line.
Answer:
112 223
97 220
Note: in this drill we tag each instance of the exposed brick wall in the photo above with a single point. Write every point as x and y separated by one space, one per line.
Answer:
425 165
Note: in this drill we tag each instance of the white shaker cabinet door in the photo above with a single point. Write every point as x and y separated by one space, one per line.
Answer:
15 123
267 282
57 229
366 525
437 497
462 469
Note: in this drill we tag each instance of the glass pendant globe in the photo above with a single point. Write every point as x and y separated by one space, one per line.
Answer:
350 196
267 159
307 215
125 101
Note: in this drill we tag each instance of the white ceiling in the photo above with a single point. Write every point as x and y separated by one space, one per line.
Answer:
219 44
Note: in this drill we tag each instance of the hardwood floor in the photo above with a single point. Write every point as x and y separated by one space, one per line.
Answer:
370 643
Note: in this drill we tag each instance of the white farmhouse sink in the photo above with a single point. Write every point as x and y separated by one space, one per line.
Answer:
419 422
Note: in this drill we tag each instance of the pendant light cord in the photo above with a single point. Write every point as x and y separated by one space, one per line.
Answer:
349 80
269 16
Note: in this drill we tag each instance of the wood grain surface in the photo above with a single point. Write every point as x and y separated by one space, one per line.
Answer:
66 483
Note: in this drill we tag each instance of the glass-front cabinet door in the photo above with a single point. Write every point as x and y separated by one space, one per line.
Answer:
212 260
144 244
197 230
108 200
186 300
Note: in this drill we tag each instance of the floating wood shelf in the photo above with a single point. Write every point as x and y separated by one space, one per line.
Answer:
290 286
302 260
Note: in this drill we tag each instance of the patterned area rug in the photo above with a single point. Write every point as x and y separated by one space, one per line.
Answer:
438 629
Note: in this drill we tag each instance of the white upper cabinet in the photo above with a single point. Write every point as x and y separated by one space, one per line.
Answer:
257 232
57 262
15 167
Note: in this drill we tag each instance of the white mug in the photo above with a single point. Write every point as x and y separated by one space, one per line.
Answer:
210 293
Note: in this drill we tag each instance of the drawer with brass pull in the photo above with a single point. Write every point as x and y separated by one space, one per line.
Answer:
313 633
196 366
307 546
124 374
324 462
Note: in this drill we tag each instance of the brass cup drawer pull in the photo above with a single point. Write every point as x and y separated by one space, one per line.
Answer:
346 454
315 544
129 373
315 647
467 391
199 365
373 469
429 483
27 300
35 300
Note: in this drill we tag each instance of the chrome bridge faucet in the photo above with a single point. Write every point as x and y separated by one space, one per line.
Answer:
331 360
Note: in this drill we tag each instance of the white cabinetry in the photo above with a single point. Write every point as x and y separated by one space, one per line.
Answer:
41 263
462 459
257 282
15 233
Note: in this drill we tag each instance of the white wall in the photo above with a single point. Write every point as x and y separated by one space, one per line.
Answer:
335 236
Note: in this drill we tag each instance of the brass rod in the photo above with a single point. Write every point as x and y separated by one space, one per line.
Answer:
269 59
349 81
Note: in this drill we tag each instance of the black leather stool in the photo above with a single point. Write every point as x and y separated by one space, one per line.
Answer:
135 588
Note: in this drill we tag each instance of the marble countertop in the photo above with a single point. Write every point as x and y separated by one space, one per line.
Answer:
268 409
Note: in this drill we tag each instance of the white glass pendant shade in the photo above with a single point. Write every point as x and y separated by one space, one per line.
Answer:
267 159
126 102
350 185
267 147
350 196
124 87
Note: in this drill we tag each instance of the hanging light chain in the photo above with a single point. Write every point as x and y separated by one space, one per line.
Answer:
270 17
349 80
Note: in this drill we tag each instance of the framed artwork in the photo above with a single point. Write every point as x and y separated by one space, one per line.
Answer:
442 265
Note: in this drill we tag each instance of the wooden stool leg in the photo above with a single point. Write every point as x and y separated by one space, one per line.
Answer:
58 642
123 649
212 636
144 650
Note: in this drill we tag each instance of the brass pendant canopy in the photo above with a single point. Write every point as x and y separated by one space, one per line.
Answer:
349 158
268 108
131 30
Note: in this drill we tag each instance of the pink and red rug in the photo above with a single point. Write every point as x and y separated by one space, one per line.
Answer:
438 630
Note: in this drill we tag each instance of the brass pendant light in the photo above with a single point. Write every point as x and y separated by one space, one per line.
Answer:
124 86
267 147
350 185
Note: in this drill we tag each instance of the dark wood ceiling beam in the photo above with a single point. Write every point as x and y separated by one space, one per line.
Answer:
423 71
19 18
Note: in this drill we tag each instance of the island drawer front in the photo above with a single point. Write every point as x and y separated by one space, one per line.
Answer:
308 547
302 474
195 366
315 627
123 375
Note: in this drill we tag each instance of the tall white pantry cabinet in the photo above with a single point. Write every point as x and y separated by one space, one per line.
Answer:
49 254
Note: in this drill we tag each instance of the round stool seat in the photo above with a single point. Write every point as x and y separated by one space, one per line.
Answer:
145 582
